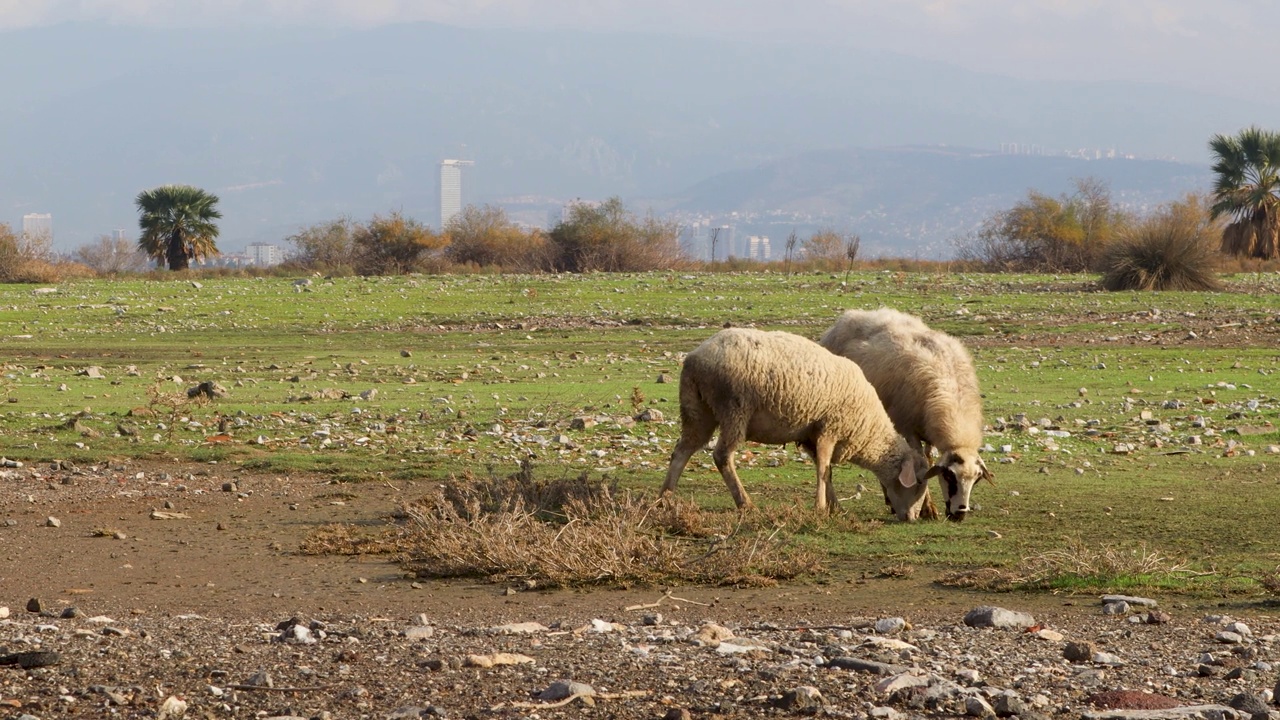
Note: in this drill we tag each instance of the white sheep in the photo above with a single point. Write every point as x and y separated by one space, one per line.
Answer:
775 387
926 380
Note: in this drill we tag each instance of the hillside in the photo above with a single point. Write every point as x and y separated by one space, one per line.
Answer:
297 126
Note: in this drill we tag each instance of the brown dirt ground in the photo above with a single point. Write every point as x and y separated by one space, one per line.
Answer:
237 555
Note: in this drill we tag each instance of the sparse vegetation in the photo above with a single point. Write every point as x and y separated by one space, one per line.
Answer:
609 238
1171 250
1070 233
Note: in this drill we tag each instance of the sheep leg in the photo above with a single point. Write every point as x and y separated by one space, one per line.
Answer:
729 440
693 437
823 448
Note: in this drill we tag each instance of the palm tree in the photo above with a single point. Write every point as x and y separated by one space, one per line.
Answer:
177 224
1247 191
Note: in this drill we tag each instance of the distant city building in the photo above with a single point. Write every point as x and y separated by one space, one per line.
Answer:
119 235
37 233
451 189
567 209
758 248
264 254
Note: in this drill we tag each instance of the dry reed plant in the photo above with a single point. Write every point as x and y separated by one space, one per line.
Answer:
475 530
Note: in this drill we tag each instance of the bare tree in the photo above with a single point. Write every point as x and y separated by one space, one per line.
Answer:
851 244
715 240
792 239
113 255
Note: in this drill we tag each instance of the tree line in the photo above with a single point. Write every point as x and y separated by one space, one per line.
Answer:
1178 245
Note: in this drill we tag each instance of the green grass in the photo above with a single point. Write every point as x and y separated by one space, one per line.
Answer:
495 368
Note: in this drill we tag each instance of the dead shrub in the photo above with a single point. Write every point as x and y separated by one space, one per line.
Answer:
1163 253
575 533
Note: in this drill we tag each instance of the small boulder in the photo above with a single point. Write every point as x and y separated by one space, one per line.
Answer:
989 616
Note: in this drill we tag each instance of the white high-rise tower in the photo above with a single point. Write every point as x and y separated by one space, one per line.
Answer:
451 189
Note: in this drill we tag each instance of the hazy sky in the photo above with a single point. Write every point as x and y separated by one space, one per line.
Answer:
1226 45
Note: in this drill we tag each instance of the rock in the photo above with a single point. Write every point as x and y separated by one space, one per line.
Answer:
677 714
4 612
1240 629
1007 705
172 707
1050 635
890 625
1227 637
34 605
805 699
712 634
208 389
405 354
725 647
663 378
604 626
298 635
1106 658
583 423
1132 600
524 628
419 632
977 707
892 684
561 689
1156 617
1249 703
1183 712
52 522
93 371
868 666
1117 607
495 659
1079 651
649 415
989 616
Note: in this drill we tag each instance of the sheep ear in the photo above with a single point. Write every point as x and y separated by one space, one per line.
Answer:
934 471
907 476
986 474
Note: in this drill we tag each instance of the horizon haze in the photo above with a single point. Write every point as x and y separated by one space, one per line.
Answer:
297 112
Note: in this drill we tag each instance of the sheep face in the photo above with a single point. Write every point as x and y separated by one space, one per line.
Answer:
959 472
905 491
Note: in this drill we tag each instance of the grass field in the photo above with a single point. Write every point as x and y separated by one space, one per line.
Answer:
1131 434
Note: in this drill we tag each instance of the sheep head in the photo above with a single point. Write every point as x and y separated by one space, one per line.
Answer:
959 470
905 490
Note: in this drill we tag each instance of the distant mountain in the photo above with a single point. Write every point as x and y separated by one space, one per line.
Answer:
908 201
292 127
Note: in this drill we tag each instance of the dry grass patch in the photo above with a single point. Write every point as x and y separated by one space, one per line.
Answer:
574 532
1077 564
343 539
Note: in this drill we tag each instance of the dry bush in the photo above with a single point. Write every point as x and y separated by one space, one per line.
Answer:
1163 252
555 535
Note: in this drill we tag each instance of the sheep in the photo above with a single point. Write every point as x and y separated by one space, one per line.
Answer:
926 380
776 388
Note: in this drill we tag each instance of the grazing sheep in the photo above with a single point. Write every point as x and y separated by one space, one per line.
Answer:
925 379
775 387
